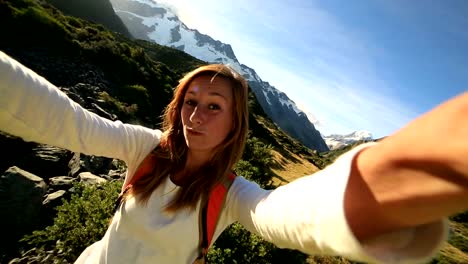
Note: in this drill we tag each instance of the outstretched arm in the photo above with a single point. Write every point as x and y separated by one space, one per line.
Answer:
382 202
35 110
414 177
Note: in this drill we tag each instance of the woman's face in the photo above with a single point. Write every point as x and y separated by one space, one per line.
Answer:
207 113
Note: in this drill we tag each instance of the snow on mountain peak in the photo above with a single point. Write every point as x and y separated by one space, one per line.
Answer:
361 134
335 141
162 26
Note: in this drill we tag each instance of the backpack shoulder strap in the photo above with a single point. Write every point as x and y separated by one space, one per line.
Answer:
215 204
210 214
145 167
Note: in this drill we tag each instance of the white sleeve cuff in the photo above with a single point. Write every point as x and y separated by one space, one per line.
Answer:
412 245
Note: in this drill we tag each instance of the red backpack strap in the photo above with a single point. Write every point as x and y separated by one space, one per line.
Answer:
146 166
210 213
215 204
209 216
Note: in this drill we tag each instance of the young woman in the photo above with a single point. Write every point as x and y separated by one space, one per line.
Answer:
385 202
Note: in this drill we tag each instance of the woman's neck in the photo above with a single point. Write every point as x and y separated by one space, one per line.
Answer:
193 162
197 159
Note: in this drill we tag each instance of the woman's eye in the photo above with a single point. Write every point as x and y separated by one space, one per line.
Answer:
190 102
214 107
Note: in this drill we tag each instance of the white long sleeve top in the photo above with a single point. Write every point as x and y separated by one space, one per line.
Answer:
306 214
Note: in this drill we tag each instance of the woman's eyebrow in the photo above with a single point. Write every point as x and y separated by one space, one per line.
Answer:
210 93
218 94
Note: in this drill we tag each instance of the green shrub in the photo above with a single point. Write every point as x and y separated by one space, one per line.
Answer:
237 245
74 22
256 161
79 222
123 111
258 152
246 169
136 94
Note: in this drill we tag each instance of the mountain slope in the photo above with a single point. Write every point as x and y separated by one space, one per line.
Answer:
98 11
149 21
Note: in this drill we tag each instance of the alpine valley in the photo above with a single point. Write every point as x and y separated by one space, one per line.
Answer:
117 71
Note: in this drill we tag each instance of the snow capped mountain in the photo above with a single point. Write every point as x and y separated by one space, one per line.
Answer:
147 20
336 141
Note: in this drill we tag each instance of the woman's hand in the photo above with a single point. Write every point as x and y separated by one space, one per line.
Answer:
416 176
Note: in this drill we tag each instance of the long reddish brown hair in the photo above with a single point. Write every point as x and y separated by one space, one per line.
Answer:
171 153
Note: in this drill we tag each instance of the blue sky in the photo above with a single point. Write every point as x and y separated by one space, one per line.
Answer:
360 65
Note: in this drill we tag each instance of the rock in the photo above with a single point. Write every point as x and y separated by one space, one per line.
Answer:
49 161
42 160
16 151
61 183
116 174
48 212
89 178
98 110
75 97
94 164
119 165
21 195
54 199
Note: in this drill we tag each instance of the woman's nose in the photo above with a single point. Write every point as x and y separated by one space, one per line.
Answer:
198 115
